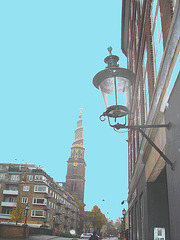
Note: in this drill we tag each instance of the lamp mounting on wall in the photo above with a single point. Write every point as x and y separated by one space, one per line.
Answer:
115 84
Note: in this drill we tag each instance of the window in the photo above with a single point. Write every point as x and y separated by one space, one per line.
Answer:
26 188
157 35
2 176
30 177
137 34
131 224
145 84
40 188
131 10
15 178
174 3
142 216
40 201
75 171
24 200
129 35
10 199
12 187
174 75
1 167
139 110
133 59
38 213
137 222
141 5
6 210
39 178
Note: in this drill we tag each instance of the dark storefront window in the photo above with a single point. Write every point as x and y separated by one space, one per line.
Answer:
131 224
142 216
137 221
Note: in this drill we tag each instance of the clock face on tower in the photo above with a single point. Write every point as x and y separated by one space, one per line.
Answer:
75 164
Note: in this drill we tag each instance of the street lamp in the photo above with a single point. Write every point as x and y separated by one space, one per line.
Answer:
54 217
123 220
124 212
115 83
26 213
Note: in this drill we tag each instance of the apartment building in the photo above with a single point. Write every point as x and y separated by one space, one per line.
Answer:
150 39
50 205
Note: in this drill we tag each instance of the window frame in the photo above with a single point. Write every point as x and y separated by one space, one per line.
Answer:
39 186
36 210
158 48
24 199
26 188
35 201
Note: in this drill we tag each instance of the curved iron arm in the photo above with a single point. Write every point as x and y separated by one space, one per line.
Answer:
139 128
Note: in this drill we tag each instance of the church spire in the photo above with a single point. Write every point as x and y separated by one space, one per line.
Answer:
79 131
75 178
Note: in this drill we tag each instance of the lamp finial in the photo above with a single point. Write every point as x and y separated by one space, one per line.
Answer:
110 50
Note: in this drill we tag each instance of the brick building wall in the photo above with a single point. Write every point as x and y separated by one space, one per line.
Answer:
49 203
150 40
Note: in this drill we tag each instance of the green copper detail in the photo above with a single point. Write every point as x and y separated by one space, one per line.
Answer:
110 50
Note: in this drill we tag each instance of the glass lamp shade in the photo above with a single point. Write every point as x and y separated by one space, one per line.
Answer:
114 84
124 211
27 207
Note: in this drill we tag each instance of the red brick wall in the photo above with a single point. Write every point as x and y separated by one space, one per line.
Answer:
13 231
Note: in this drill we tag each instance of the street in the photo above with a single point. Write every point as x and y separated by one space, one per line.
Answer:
48 237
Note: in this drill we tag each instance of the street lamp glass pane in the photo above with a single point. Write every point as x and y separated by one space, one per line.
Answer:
108 86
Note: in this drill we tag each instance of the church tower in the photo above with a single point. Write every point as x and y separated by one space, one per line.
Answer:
75 178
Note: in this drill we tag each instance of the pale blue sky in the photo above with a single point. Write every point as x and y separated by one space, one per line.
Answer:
49 54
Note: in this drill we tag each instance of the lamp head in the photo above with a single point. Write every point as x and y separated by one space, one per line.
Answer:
114 83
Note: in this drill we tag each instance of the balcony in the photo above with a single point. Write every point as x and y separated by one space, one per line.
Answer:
59 212
6 179
60 202
47 208
68 206
73 218
48 195
10 192
74 210
47 220
4 216
67 215
66 224
8 204
58 222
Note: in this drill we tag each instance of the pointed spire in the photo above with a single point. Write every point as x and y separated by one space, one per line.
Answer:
81 111
79 131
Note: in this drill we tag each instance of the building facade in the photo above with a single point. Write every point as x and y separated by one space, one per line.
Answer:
150 39
75 178
50 205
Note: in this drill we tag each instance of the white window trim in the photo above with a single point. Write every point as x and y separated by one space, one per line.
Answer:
155 22
30 177
26 188
42 216
38 186
145 84
40 178
36 203
24 199
15 178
